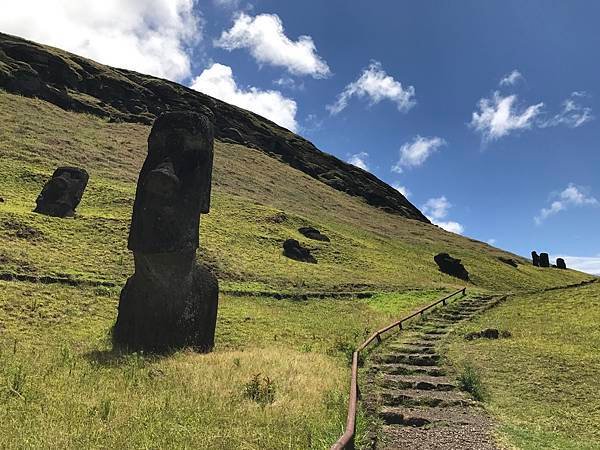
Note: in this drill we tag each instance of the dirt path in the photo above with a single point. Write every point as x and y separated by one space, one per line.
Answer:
409 390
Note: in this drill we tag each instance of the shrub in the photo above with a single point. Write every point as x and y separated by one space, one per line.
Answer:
470 381
261 390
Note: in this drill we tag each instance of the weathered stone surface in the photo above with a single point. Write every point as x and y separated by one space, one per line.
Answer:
451 266
535 258
560 263
292 249
313 233
171 300
78 84
62 193
544 260
509 261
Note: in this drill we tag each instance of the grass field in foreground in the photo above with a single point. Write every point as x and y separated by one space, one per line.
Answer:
542 383
62 387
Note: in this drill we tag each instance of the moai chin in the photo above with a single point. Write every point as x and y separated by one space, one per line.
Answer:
170 301
62 193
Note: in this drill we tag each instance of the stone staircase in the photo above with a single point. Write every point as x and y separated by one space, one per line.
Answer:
409 389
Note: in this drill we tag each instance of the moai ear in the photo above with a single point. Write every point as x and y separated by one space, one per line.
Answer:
205 165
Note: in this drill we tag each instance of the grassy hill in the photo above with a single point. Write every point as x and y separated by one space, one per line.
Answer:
542 382
61 386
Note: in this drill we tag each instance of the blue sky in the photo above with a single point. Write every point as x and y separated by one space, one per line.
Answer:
485 112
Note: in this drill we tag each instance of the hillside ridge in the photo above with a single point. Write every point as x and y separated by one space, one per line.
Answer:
78 84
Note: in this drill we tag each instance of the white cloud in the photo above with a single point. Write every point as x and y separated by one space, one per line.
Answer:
452 227
218 82
152 36
289 83
402 189
436 209
359 160
572 114
499 116
511 78
415 153
375 84
570 196
491 241
587 264
231 4
265 38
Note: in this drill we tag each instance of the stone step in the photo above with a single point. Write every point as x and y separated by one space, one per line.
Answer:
418 382
434 399
409 369
415 359
420 416
406 348
417 343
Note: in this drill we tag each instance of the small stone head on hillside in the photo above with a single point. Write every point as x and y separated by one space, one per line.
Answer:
174 184
63 192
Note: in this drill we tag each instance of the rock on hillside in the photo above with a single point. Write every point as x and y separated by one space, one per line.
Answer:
78 84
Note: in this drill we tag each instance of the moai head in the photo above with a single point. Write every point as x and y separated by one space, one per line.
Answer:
62 193
560 263
174 185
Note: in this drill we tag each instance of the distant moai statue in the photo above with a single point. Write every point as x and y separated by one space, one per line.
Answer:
170 301
560 263
544 260
535 258
62 193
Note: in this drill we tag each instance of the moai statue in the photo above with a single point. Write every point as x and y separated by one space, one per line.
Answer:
170 301
544 260
62 193
535 258
451 266
560 263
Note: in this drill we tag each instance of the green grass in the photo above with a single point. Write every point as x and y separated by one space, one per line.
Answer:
542 382
62 387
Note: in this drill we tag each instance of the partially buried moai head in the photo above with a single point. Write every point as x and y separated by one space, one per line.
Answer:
174 184
62 193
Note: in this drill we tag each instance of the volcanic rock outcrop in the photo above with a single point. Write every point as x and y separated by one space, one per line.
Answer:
170 301
62 193
78 84
292 249
451 266
313 233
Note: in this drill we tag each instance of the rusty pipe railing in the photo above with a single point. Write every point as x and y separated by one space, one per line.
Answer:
346 440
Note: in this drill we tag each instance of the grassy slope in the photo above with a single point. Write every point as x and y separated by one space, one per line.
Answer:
60 374
241 236
542 382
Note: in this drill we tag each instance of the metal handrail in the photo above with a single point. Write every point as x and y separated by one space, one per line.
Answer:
346 440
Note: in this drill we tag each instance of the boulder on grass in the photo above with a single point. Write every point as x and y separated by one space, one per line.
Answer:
292 249
451 266
313 233
509 261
